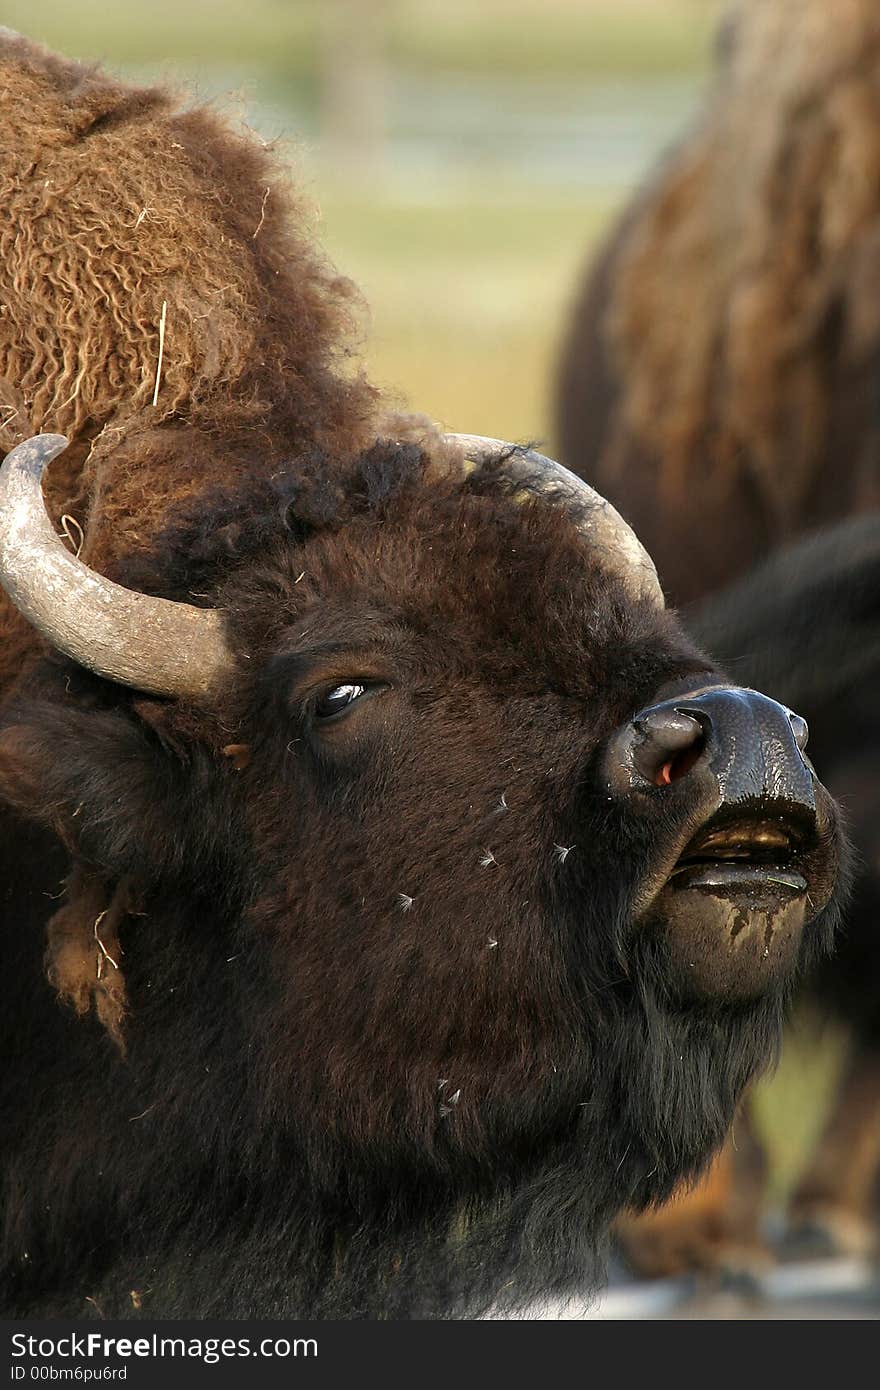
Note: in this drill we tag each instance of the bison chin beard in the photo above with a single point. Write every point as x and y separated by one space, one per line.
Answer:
628 1122
535 1227
656 1104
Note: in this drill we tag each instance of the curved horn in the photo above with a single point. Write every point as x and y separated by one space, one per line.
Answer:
148 643
534 475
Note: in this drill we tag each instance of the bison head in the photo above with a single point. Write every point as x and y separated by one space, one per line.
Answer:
470 891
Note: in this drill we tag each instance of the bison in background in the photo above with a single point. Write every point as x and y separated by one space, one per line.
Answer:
719 375
430 895
719 382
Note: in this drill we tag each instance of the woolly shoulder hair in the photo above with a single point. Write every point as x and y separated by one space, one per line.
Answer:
759 240
165 305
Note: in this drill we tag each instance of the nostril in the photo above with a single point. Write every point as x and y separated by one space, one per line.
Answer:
670 729
800 729
672 742
681 764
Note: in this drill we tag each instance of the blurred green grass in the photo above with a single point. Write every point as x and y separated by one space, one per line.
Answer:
790 1106
561 37
466 300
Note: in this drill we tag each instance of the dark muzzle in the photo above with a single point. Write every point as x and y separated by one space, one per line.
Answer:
745 834
732 747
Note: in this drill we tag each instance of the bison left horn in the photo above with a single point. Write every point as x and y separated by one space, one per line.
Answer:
149 643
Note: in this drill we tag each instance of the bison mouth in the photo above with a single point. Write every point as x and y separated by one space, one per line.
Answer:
734 907
741 855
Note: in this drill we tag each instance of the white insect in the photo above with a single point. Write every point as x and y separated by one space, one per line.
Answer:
449 1102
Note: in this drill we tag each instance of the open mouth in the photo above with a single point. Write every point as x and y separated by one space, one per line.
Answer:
742 854
735 905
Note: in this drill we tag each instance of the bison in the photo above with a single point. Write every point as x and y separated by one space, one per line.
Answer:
719 370
719 383
429 894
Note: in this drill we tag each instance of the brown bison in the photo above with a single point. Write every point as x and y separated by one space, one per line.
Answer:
430 895
719 375
719 382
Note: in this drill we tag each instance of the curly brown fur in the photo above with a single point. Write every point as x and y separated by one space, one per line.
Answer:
719 377
115 201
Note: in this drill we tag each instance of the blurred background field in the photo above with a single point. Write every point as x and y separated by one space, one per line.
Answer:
465 156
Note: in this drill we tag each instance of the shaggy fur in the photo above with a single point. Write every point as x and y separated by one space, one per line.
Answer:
116 200
368 1072
719 378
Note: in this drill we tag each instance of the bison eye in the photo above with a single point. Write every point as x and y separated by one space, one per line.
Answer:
338 700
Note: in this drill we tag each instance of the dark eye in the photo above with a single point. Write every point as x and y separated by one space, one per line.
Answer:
337 700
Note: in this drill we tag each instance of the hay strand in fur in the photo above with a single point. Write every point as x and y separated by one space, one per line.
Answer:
162 317
83 954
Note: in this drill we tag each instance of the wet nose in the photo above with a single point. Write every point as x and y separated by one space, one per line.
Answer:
747 746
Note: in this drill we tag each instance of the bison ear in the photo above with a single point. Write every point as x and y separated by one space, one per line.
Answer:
38 779
21 768
172 726
126 790
43 773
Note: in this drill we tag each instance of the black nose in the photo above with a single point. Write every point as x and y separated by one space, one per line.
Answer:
744 745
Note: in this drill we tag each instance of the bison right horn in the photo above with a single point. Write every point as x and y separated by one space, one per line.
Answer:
529 474
151 644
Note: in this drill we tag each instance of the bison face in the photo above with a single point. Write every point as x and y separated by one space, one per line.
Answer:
490 843
497 875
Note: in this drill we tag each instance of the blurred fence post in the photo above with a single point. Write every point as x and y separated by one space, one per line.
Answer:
354 82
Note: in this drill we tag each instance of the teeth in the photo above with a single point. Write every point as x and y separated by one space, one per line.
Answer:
739 843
